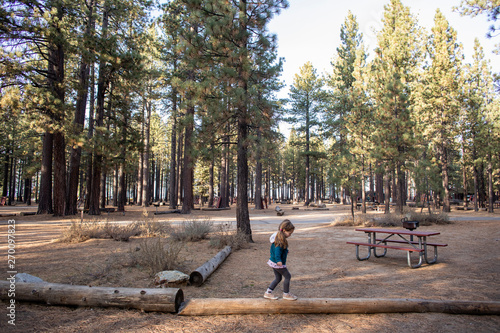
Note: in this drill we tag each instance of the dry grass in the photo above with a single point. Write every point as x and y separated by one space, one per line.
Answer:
81 231
225 235
193 230
392 219
158 254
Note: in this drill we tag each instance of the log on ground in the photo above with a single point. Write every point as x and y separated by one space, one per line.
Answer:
146 299
198 276
237 306
175 211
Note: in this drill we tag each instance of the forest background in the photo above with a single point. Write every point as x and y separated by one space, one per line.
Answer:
108 102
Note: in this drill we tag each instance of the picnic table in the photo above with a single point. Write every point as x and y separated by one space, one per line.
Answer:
403 241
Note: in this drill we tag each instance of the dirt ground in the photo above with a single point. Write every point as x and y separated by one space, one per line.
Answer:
321 263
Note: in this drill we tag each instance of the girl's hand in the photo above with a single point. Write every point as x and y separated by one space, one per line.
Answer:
279 264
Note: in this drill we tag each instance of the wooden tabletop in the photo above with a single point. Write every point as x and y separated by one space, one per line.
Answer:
400 231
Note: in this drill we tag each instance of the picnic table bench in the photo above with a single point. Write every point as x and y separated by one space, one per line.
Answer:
403 244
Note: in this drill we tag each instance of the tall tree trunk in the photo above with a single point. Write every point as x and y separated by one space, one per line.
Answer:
122 185
224 201
387 191
242 214
79 120
5 189
211 180
12 182
491 193
45 201
56 83
445 175
363 191
400 188
90 159
187 203
145 161
140 173
103 185
27 191
180 170
173 155
158 181
258 176
101 89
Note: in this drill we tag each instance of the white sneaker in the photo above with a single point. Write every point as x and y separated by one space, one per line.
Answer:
270 295
289 297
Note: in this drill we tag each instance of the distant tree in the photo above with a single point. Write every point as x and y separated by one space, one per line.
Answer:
397 58
442 96
307 102
350 57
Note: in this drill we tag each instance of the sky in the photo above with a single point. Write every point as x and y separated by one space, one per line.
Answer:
309 30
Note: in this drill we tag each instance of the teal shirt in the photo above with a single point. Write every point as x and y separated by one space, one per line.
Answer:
278 254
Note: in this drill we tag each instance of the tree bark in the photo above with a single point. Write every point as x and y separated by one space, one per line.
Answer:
145 161
56 84
79 121
387 180
211 182
98 158
187 203
6 174
59 191
226 306
173 154
201 274
145 299
45 201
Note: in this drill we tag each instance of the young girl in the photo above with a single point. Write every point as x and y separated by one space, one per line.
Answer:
277 261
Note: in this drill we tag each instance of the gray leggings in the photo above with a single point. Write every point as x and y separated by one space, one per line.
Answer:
278 274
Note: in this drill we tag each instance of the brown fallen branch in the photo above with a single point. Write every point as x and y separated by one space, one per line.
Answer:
199 276
227 306
146 299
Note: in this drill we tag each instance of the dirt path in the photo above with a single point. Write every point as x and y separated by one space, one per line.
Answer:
320 262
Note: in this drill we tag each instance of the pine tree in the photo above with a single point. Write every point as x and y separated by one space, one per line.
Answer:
442 96
307 99
345 99
475 127
394 70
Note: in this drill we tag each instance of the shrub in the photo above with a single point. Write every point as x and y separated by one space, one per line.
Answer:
159 254
391 220
80 232
122 233
151 228
224 236
193 230
359 220
429 219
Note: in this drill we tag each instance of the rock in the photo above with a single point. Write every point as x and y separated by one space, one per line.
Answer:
171 279
28 278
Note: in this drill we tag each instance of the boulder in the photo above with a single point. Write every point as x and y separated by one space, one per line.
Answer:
170 279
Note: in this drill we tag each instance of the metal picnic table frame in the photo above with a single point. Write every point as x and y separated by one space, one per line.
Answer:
419 246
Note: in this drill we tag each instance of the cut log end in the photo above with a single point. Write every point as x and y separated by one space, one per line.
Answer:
196 279
179 299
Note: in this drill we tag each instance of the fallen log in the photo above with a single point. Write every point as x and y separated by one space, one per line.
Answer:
213 209
146 299
175 211
229 306
199 276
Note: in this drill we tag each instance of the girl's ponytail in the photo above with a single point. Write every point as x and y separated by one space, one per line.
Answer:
280 239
